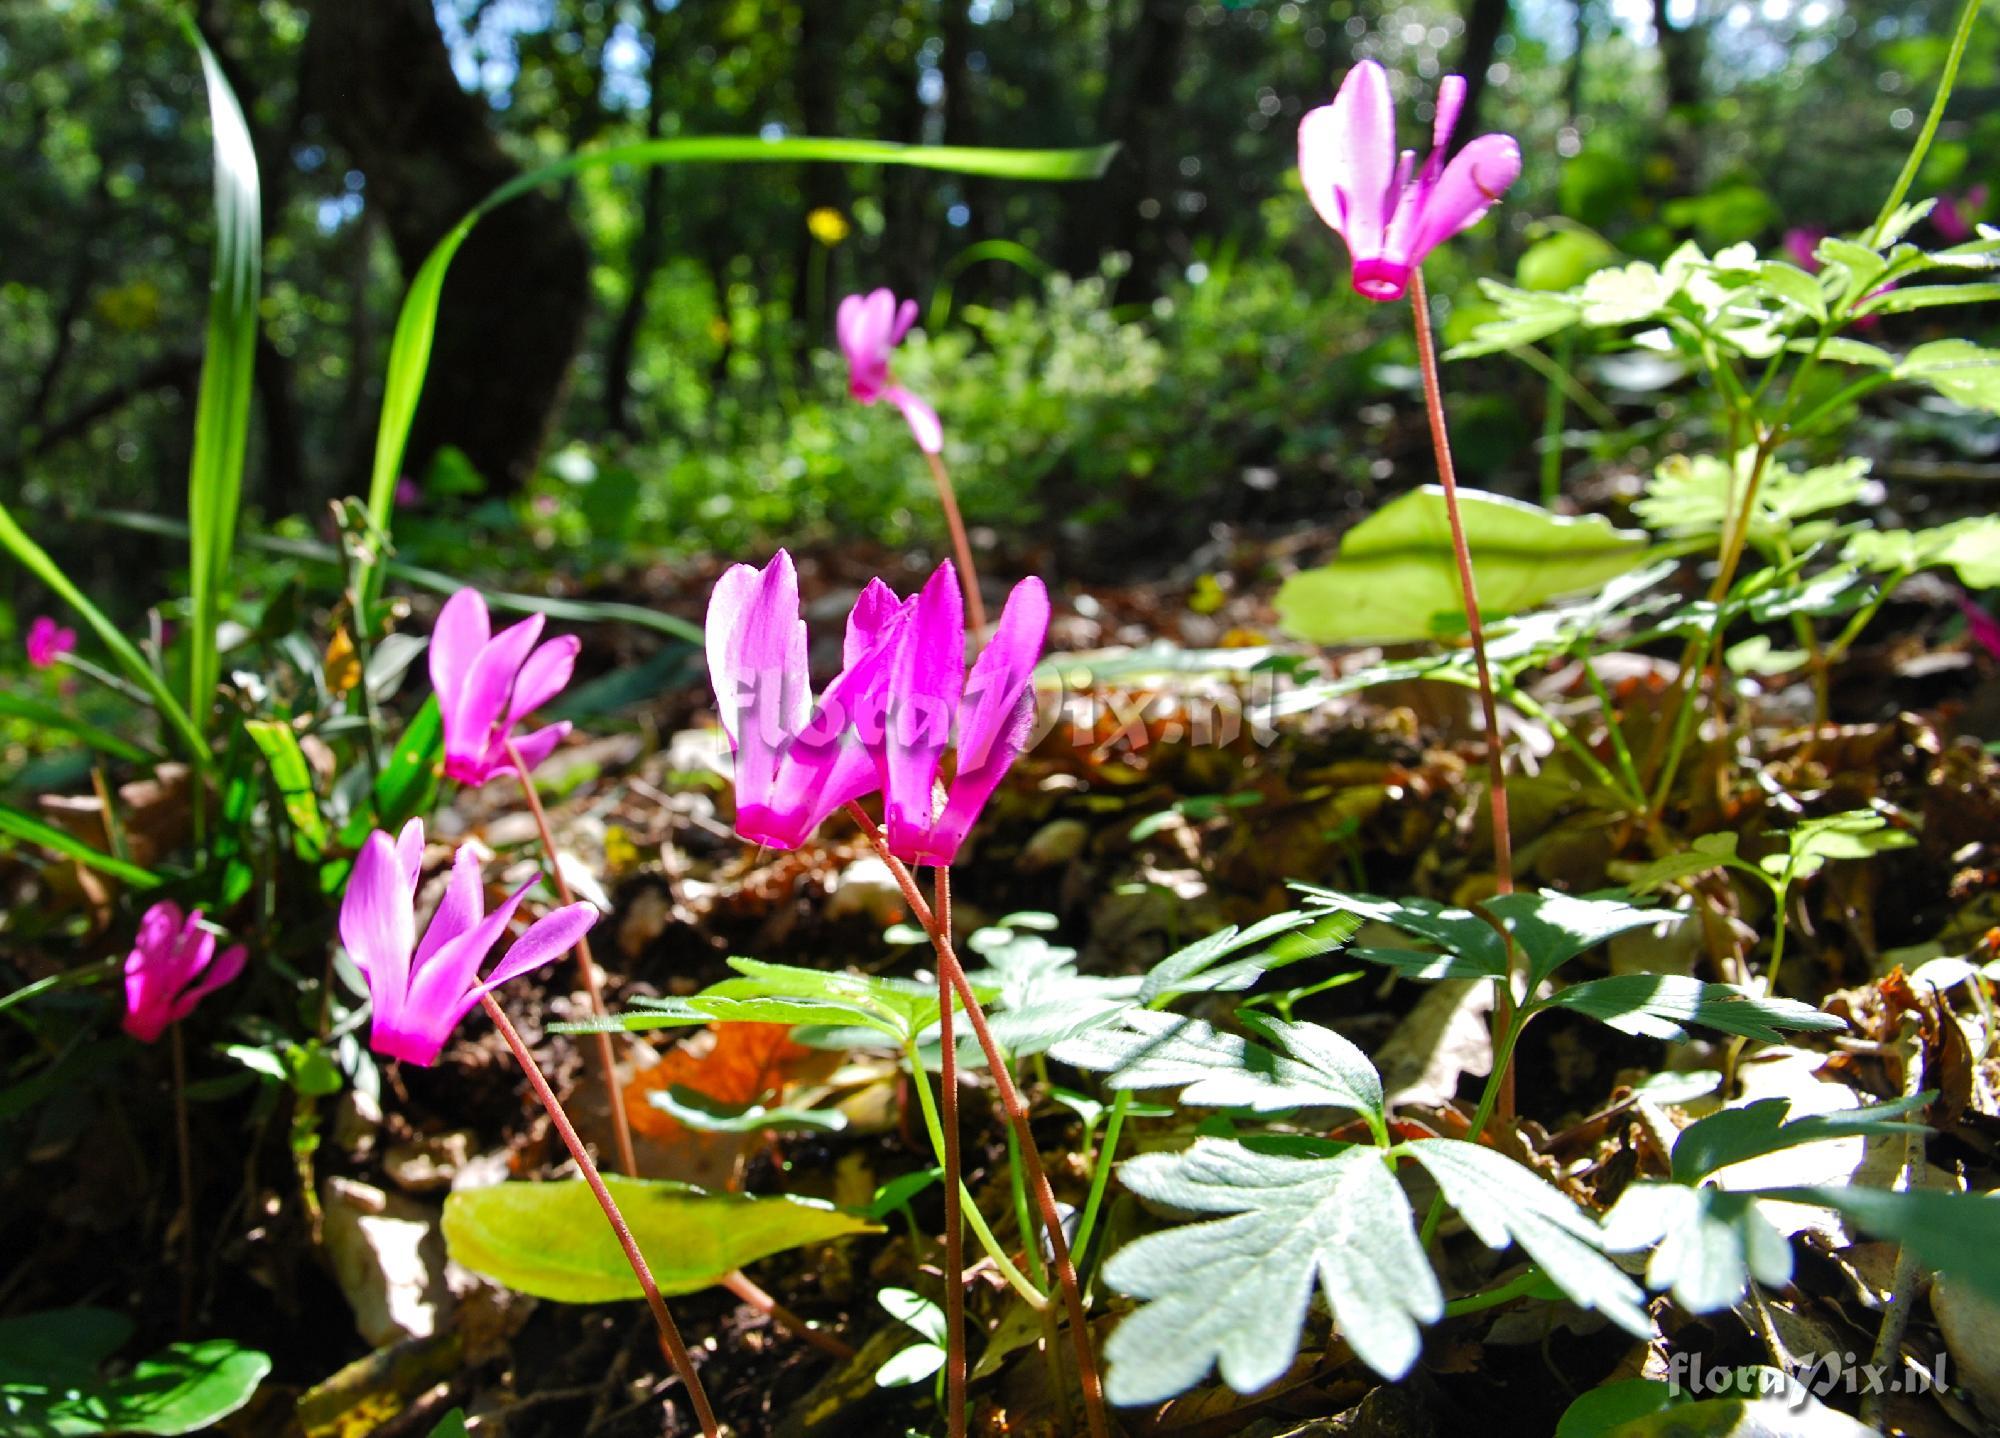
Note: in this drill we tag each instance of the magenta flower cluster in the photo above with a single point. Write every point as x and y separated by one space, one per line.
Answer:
48 641
488 683
902 702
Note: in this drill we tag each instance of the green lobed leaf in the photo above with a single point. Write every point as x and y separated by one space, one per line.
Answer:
1504 1203
1706 854
1970 546
1747 1131
698 1111
1855 834
1706 1243
1957 369
1957 1234
1474 944
1905 298
1145 1049
551 1240
1396 578
1552 928
1232 1292
1656 1006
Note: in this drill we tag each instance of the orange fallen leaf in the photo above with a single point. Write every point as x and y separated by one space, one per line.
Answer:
746 1063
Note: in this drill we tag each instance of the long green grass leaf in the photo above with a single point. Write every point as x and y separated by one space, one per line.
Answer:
19 706
15 824
222 410
416 324
36 561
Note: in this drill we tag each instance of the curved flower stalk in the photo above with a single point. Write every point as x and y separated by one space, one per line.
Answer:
421 989
795 762
931 704
1389 216
48 641
488 683
869 327
173 966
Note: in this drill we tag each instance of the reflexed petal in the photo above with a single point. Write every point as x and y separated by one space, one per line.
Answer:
543 677
159 931
1347 157
535 747
906 315
449 976
1470 186
925 681
463 904
922 419
770 684
972 787
376 924
489 684
546 939
1004 670
410 850
1450 101
461 631
868 621
728 606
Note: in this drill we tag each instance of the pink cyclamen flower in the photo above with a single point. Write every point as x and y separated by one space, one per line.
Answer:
931 703
795 762
48 641
1955 216
869 327
1390 214
487 683
422 988
172 967
1802 246
1980 623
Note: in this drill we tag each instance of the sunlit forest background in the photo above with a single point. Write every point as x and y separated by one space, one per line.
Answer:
640 362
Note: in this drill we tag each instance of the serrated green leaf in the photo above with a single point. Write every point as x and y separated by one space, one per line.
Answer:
1855 834
1525 317
1706 1243
1552 928
1145 1049
1504 1203
1396 576
1794 286
1922 297
696 1110
1847 351
1232 1293
1192 969
1971 546
1747 1131
1698 494
551 1240
1957 369
1706 854
1655 1006
1472 940
1956 1234
1858 266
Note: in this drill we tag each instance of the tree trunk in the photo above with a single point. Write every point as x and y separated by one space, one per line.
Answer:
648 247
816 77
1122 211
1680 68
1484 22
512 311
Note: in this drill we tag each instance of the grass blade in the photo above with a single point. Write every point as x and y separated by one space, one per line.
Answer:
36 561
15 824
49 716
416 324
222 409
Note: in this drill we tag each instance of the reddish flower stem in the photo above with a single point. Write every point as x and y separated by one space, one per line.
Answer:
670 1336
1017 1115
621 1127
948 497
954 1225
184 1143
1496 768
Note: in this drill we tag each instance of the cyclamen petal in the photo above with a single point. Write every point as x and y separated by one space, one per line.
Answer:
925 681
869 327
1390 213
48 641
172 966
489 683
420 992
